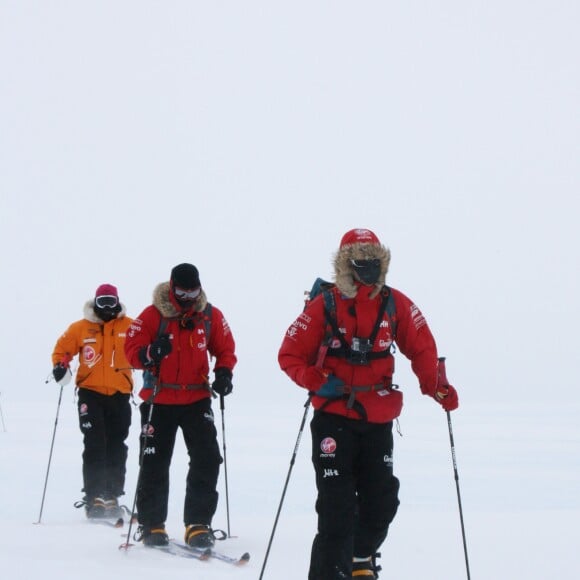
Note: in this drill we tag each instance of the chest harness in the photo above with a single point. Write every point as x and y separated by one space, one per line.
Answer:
188 323
360 351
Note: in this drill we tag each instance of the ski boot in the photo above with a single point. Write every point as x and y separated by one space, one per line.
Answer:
199 536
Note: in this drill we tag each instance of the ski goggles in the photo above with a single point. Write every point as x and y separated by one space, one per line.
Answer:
182 294
106 301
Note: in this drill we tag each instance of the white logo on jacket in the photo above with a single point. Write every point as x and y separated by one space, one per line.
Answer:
291 332
330 473
299 324
417 316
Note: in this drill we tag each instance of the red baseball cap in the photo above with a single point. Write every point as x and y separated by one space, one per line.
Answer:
359 236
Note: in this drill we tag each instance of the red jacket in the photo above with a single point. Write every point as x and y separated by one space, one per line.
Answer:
357 317
187 363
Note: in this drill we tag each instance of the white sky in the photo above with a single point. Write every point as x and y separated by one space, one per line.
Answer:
247 137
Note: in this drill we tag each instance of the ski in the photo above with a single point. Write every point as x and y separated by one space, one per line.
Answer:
176 548
217 555
243 559
209 554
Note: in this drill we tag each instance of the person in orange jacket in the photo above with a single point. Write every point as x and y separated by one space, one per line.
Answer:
344 357
104 380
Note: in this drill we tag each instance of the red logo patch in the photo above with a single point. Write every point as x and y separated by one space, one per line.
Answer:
328 445
89 353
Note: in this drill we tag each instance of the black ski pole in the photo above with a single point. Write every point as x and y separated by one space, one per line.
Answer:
50 454
292 460
458 493
443 381
144 435
222 407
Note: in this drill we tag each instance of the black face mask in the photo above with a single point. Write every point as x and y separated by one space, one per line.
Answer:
185 305
367 271
107 313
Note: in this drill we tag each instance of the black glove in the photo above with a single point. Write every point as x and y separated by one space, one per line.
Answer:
223 382
59 371
156 351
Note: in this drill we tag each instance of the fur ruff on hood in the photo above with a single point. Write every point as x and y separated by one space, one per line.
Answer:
163 303
92 317
344 272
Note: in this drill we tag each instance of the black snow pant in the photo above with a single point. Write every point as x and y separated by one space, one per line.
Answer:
199 433
357 492
104 421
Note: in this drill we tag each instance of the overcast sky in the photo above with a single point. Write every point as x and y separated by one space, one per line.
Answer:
247 137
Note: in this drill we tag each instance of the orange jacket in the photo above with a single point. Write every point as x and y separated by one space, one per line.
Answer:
100 346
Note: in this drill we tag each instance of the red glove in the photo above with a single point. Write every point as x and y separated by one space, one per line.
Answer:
445 394
313 378
447 397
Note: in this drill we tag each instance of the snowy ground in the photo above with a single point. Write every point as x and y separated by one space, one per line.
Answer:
247 138
518 479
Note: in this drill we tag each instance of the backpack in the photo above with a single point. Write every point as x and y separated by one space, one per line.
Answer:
360 351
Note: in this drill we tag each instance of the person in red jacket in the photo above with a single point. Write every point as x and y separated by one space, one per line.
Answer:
172 340
344 359
105 381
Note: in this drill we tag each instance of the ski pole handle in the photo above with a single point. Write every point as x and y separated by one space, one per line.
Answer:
442 373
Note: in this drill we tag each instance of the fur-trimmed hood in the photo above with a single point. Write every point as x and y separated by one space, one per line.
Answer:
163 303
344 272
90 315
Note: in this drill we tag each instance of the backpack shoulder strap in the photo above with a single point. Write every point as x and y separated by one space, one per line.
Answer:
207 312
162 326
150 380
332 329
391 309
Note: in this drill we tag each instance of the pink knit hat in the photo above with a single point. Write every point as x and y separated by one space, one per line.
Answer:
106 290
